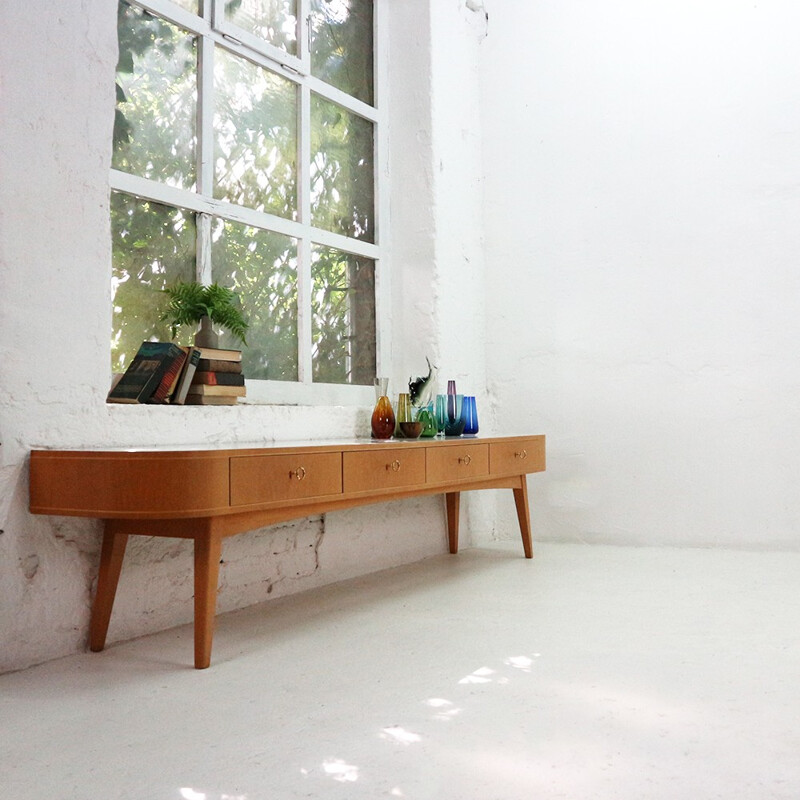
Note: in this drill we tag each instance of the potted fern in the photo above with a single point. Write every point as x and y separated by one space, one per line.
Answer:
191 303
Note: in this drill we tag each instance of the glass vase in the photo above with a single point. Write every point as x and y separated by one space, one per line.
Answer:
470 415
441 413
455 416
427 416
403 407
383 420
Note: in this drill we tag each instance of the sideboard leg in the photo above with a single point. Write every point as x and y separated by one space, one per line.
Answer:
453 500
111 556
207 551
523 514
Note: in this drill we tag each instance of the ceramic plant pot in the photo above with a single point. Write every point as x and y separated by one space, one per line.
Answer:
206 336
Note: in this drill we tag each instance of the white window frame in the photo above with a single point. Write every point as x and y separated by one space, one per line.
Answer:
213 31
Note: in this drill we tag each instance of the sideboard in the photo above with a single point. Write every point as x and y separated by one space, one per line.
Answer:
207 493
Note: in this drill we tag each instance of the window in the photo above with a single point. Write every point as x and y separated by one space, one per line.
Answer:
245 144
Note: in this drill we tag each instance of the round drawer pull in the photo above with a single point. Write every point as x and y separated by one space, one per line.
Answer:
394 466
521 454
466 460
298 473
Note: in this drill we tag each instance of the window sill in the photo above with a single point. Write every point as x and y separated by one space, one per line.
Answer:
298 394
285 393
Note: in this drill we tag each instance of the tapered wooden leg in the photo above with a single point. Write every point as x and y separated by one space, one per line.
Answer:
453 500
111 555
207 550
523 515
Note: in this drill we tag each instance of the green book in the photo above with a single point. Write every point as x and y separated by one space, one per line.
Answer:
143 376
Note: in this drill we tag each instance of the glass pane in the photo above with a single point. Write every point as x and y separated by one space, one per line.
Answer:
274 21
255 131
153 246
341 45
154 125
342 174
262 267
342 317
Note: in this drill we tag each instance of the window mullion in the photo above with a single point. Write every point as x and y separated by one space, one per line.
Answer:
383 297
203 271
183 198
217 13
205 153
304 286
341 98
205 119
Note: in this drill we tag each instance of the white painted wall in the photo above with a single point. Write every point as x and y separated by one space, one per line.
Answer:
601 243
642 231
56 114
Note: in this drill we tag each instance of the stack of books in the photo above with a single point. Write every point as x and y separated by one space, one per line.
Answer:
160 372
218 379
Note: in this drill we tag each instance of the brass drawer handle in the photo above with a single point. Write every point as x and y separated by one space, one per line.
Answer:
394 466
466 460
298 473
521 454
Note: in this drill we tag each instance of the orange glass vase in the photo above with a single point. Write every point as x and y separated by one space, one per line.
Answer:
383 421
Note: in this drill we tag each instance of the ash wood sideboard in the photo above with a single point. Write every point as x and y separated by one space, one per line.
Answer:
207 493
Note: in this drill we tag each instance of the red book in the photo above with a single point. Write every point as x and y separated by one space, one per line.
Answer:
169 379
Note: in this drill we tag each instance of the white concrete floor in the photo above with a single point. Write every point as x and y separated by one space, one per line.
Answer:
590 672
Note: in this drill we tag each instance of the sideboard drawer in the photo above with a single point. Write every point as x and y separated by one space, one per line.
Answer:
456 463
383 469
270 479
515 458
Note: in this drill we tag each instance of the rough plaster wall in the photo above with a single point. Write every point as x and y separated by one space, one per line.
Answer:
415 335
643 195
460 29
437 194
457 176
55 123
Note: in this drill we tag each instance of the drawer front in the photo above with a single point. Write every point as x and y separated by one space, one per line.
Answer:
456 463
269 479
517 457
371 470
133 485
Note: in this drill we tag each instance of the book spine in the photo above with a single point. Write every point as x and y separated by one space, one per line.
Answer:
218 365
192 360
204 389
222 355
219 378
216 400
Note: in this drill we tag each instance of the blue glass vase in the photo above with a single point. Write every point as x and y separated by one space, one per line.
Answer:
469 412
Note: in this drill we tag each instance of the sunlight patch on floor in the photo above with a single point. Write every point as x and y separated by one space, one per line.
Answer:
340 770
400 735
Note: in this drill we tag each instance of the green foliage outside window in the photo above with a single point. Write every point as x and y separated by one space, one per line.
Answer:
153 246
261 266
255 132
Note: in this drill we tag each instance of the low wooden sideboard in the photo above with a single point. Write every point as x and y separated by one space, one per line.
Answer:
206 493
